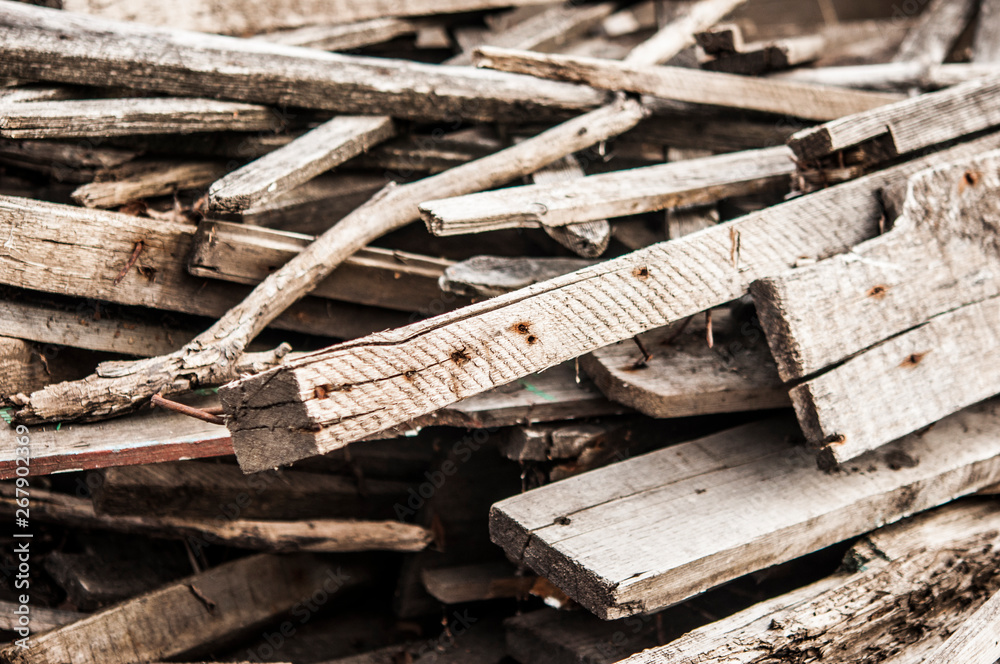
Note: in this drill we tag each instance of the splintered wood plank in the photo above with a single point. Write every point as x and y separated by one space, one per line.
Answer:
679 34
866 610
316 151
183 616
81 252
893 75
977 640
589 238
246 70
266 15
986 45
801 100
349 391
938 28
649 532
146 178
911 124
685 376
615 194
378 277
81 118
320 535
343 36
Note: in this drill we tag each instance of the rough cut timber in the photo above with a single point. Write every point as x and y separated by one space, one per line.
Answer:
680 33
316 151
350 391
685 376
977 641
800 100
615 194
378 277
189 614
146 178
124 117
986 46
899 290
940 25
899 595
203 65
266 15
63 161
649 532
911 124
893 75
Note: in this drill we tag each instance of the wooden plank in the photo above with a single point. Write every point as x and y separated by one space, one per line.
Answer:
679 33
78 252
685 376
857 613
489 276
192 613
588 239
81 118
375 383
377 277
316 151
146 178
652 531
911 124
254 71
614 194
320 535
343 36
42 619
800 100
940 25
986 45
976 641
261 16
893 75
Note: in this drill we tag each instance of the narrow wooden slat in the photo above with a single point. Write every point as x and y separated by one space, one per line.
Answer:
146 178
349 391
940 25
800 100
343 36
678 35
652 531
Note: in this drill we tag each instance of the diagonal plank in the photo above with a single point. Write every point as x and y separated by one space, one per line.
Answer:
347 392
649 532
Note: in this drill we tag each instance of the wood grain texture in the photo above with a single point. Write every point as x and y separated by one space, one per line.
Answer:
677 35
800 100
378 277
892 76
588 239
652 531
146 178
939 26
977 640
911 124
986 45
615 194
343 36
374 383
81 118
22 367
183 616
328 145
42 619
685 376
488 276
240 18
868 610
201 65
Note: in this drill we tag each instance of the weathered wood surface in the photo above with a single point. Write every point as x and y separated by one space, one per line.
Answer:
892 76
254 71
488 276
375 383
730 54
189 614
899 596
316 151
22 367
615 194
42 619
581 533
264 16
320 535
588 239
685 376
718 133
209 358
977 640
986 45
939 26
379 277
677 35
73 251
911 124
801 100
64 162
213 490
343 36
81 118
146 178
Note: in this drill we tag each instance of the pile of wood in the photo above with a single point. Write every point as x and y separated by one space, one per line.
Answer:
646 331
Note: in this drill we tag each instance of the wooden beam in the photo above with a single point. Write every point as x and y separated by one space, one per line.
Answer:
349 391
589 238
911 124
82 118
730 54
615 194
651 531
939 26
799 100
254 71
316 151
986 45
975 641
146 178
198 611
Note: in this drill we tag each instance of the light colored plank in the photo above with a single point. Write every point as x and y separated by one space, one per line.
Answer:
977 641
378 382
801 100
986 45
316 151
255 71
82 118
679 34
652 531
588 239
940 25
146 178
343 36
615 194
893 75
63 162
